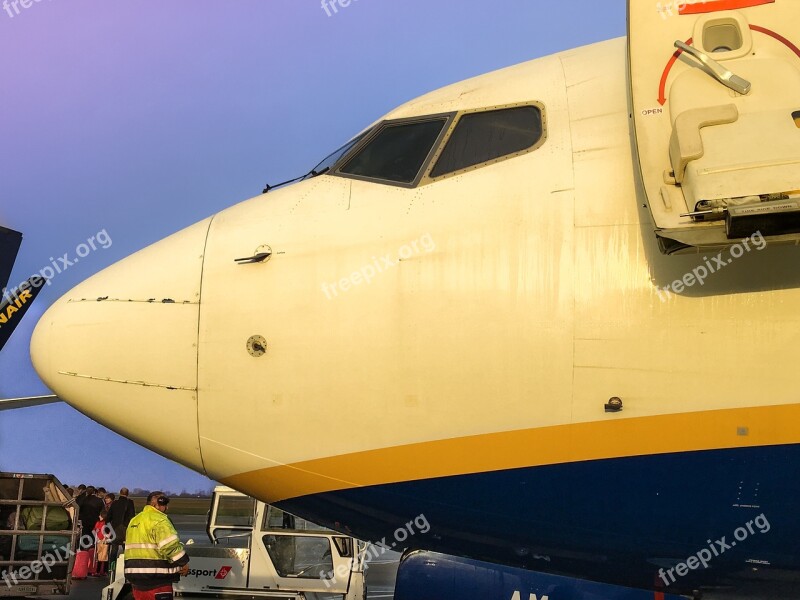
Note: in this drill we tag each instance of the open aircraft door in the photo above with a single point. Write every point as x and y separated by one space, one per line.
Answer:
715 108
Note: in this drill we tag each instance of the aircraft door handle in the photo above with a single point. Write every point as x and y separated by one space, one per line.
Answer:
716 70
256 258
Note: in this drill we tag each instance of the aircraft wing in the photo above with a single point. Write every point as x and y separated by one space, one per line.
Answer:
10 242
13 403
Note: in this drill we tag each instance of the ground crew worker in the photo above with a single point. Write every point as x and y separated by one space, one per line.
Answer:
154 556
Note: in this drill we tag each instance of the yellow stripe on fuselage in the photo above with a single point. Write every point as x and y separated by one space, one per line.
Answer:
616 438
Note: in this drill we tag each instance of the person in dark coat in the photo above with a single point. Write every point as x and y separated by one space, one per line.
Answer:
90 510
120 514
81 495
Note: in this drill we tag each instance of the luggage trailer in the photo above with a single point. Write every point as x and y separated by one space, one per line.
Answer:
39 561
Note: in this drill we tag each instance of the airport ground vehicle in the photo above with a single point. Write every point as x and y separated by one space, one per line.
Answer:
38 533
257 550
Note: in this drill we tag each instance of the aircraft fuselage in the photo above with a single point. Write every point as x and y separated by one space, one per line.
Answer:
447 349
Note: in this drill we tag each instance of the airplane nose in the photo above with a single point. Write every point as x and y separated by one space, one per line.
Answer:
122 346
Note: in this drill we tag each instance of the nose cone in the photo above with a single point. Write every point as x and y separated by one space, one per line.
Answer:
122 346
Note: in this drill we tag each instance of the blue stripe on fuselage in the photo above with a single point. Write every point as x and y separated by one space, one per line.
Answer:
618 521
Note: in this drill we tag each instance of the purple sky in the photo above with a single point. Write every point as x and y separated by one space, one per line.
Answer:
142 117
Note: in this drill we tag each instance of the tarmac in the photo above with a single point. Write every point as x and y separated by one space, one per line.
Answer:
381 573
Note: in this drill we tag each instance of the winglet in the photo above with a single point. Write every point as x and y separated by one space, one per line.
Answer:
10 242
14 305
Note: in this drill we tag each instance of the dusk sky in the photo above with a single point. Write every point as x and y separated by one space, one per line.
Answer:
138 118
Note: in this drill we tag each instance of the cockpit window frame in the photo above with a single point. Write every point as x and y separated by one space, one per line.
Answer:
427 179
448 117
453 119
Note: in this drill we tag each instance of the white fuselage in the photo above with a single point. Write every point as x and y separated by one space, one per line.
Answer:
471 325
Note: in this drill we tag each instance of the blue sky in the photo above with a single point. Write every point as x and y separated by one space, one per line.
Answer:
138 118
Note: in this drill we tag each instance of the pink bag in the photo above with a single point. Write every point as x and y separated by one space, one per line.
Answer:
82 561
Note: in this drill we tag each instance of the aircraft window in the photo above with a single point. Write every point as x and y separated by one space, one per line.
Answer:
330 160
486 136
398 151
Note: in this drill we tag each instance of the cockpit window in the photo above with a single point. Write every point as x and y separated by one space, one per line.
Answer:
397 152
329 161
482 137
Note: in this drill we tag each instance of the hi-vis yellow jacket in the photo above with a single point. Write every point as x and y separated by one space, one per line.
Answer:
153 553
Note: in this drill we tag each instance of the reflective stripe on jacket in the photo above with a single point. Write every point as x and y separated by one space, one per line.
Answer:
153 553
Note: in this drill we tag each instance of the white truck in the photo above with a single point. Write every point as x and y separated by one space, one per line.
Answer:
38 535
258 550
